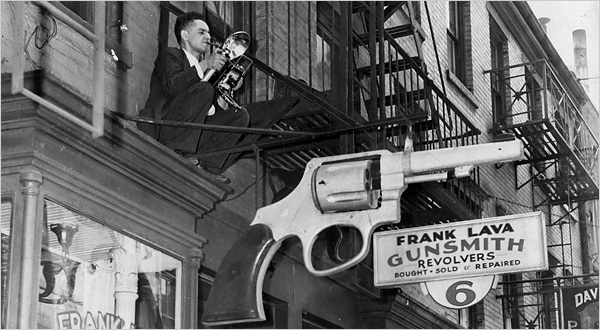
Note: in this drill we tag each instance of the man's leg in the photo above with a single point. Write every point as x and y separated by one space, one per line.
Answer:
220 139
190 106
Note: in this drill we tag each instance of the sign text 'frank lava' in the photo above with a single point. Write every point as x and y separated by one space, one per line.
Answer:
507 244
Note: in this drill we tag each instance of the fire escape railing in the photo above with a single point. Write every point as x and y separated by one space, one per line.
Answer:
559 141
454 128
394 94
446 126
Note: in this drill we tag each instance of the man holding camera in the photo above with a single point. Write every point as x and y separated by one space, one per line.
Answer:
177 93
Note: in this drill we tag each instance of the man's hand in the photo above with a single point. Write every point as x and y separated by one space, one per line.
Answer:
215 61
239 84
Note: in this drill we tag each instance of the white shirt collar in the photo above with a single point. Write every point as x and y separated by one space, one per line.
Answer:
193 60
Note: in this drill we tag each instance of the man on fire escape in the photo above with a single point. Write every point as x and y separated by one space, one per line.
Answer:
177 93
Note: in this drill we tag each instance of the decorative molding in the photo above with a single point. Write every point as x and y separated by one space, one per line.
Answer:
35 136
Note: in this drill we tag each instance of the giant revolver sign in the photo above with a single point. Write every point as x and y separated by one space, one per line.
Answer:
507 244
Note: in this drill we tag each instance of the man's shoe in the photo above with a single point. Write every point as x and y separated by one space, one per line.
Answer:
208 169
213 172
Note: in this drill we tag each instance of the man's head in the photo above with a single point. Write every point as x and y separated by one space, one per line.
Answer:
192 32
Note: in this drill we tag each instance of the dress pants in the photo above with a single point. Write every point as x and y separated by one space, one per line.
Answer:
192 106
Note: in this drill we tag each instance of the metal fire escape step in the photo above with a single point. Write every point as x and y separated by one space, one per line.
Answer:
394 66
362 6
396 32
402 97
544 143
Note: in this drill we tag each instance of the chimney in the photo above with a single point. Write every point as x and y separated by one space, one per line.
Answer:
543 21
580 55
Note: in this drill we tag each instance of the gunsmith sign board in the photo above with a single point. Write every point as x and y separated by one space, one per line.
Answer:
508 244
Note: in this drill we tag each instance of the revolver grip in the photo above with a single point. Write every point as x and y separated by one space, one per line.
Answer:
236 294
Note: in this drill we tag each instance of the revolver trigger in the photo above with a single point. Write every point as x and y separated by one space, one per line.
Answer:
333 245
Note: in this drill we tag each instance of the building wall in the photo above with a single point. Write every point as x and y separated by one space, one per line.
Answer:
69 56
475 102
285 34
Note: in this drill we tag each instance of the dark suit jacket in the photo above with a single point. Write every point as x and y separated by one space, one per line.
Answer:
172 74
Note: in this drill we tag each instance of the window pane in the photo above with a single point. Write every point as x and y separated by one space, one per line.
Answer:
94 277
5 229
84 9
114 20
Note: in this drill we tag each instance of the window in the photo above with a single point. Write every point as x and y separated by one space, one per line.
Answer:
458 57
513 302
94 277
114 16
477 316
499 61
5 229
84 11
534 96
327 45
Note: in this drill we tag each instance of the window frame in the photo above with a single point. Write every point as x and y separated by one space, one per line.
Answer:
328 34
81 213
125 58
499 59
456 37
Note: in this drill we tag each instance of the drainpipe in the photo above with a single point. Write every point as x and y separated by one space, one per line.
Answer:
580 55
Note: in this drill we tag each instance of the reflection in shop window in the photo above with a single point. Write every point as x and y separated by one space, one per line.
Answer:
94 277
5 227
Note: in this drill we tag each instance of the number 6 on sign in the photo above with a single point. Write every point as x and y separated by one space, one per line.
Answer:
460 293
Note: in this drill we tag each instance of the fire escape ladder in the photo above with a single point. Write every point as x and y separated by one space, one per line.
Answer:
392 87
395 84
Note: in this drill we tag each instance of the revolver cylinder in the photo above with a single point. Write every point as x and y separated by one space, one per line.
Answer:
344 186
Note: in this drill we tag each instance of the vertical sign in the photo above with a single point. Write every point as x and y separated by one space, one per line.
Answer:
580 307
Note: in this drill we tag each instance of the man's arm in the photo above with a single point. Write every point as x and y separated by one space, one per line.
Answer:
174 71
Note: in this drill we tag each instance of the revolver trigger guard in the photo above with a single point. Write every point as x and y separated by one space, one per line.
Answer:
365 231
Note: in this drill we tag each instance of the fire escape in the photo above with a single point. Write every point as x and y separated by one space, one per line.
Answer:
381 94
562 154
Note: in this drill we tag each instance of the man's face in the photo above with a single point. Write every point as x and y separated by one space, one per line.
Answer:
198 36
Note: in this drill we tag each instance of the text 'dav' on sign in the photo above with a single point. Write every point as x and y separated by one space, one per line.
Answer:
507 244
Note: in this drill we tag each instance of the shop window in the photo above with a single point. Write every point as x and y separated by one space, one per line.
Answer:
83 11
5 229
276 311
311 321
458 37
94 277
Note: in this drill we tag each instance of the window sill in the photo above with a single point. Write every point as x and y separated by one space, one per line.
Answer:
462 88
125 58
